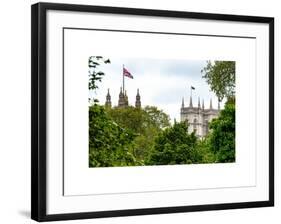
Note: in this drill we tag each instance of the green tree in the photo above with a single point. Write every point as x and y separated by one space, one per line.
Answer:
222 134
146 123
109 144
204 149
174 146
156 117
220 75
129 117
138 119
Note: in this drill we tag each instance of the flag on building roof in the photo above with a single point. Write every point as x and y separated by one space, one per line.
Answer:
127 73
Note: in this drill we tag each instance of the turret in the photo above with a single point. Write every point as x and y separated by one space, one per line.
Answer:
199 106
108 99
138 101
190 102
182 103
121 101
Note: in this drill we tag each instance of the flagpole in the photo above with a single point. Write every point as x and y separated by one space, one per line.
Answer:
123 80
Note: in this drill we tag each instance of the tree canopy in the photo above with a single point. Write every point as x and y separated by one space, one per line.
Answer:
109 144
174 146
222 136
220 75
146 123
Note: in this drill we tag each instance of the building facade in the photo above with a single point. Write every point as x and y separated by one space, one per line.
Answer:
198 117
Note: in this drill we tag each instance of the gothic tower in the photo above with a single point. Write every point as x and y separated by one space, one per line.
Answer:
122 99
190 102
198 117
108 99
138 102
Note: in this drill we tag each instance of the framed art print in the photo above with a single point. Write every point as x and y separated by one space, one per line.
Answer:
140 111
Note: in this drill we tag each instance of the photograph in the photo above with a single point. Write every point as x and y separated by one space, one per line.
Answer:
152 111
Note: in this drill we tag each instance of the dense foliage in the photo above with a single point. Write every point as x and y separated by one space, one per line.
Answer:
109 144
174 146
146 123
220 75
129 137
222 137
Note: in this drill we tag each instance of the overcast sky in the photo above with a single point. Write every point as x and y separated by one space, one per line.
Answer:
161 83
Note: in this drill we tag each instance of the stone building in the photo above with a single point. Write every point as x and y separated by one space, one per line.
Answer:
123 99
198 117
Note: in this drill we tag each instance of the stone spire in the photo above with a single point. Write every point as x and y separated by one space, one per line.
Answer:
211 105
138 101
203 107
108 99
199 106
126 98
182 103
121 101
190 102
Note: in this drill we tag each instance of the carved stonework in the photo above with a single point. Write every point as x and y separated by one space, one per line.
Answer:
123 99
198 118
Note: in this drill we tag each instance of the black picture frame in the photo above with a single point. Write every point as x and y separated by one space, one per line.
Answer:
39 107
